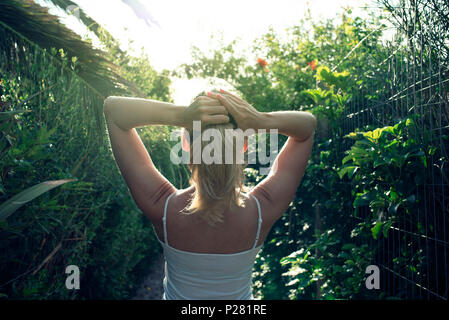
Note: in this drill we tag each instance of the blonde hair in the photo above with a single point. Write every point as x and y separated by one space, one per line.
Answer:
217 186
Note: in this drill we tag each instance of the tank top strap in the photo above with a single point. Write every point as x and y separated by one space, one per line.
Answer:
164 218
259 221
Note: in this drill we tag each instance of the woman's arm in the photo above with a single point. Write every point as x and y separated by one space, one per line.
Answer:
296 124
299 125
129 113
147 185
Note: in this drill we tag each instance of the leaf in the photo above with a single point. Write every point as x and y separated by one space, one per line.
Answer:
367 142
378 203
409 122
392 195
394 208
11 205
387 227
379 162
350 262
388 129
424 161
376 229
346 159
418 153
392 144
350 170
363 199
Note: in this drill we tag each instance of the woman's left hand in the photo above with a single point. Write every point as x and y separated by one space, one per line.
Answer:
208 110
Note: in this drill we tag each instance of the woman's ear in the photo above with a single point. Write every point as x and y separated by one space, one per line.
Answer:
185 140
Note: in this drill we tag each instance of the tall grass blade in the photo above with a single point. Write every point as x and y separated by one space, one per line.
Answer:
11 205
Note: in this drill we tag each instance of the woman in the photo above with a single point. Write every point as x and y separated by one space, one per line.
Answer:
212 231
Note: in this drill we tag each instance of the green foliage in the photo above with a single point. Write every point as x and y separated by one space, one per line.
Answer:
383 167
52 128
336 80
338 270
387 165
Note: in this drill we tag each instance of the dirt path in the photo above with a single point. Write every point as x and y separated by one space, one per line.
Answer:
151 288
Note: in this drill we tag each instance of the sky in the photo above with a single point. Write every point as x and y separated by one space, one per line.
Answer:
174 26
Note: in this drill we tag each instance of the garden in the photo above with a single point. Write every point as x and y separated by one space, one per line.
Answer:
375 192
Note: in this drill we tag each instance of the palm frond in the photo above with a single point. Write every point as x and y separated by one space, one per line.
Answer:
37 25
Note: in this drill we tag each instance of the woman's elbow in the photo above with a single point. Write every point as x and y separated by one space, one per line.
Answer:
313 123
108 103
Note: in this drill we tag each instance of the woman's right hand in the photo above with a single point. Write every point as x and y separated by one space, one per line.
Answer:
244 114
204 109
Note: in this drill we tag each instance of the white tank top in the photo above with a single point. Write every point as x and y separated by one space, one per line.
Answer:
208 276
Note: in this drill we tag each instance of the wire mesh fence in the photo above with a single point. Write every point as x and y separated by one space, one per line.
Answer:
412 80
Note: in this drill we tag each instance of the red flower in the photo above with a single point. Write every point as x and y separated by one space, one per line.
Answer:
312 64
262 62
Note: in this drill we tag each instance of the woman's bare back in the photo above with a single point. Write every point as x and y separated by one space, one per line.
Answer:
191 233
